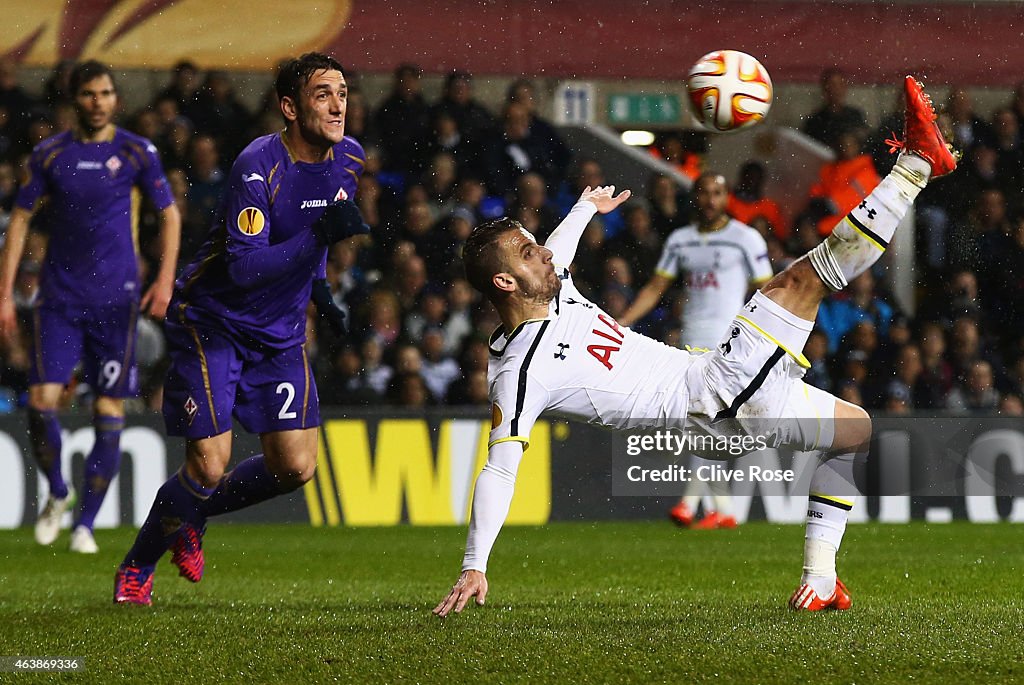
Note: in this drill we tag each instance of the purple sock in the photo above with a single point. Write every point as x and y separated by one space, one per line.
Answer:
177 500
44 434
250 483
100 467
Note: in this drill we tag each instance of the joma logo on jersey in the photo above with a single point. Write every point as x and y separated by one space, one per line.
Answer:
309 204
603 351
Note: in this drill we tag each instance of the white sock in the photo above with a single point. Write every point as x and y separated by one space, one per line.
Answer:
863 235
723 504
695 489
819 567
720 497
831 497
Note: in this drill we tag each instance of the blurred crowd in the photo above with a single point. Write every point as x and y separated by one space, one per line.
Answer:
436 169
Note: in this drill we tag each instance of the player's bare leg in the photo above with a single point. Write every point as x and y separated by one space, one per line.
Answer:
45 438
798 289
291 456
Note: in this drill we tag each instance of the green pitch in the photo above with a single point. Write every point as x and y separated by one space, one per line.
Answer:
569 603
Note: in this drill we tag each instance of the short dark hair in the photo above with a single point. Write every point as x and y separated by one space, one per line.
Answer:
295 73
481 256
711 175
87 71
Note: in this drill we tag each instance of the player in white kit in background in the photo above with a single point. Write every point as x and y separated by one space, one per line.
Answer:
723 261
556 351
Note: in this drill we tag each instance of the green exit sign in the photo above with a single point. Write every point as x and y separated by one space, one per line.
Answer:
644 108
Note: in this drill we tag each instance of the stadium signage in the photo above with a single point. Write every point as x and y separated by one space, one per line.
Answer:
419 469
364 480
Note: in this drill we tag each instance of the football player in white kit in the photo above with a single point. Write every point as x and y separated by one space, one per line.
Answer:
557 351
722 261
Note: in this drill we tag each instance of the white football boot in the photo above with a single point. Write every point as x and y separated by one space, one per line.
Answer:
48 524
82 541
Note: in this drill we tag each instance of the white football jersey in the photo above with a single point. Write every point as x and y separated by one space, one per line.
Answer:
580 364
719 267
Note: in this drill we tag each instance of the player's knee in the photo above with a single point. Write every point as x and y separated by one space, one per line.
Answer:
295 472
111 407
207 459
204 467
853 428
42 400
205 472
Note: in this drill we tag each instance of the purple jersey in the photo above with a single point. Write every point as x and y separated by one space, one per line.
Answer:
254 272
92 190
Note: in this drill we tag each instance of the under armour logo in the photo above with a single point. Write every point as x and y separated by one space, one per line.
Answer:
562 347
871 212
750 307
564 275
727 345
585 304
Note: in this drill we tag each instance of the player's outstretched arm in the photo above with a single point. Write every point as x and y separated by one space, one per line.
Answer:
156 299
492 497
10 258
566 237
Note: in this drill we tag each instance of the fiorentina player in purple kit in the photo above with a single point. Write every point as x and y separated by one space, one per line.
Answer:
236 325
89 290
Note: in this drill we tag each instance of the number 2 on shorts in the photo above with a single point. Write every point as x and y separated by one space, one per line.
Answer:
289 391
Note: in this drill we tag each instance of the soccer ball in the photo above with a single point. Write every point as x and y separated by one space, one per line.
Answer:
729 90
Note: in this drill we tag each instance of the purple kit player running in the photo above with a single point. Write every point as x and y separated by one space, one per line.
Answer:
89 292
236 329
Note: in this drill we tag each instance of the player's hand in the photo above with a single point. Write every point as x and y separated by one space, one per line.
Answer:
341 219
470 584
156 299
326 307
8 318
604 197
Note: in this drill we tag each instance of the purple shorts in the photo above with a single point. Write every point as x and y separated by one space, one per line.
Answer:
213 376
102 338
